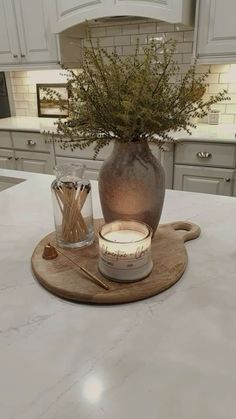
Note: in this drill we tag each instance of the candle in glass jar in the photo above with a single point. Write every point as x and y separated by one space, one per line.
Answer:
124 236
125 250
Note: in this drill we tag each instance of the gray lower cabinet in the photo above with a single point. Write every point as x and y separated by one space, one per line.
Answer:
204 179
7 160
33 162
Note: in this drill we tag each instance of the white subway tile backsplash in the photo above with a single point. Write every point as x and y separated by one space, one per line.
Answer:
22 89
164 27
106 41
188 36
116 49
176 36
32 88
22 112
220 107
212 78
141 39
232 88
187 57
113 30
201 69
227 118
147 27
21 74
180 27
98 31
220 68
216 88
178 58
231 108
22 105
122 40
129 50
182 47
227 78
18 96
130 29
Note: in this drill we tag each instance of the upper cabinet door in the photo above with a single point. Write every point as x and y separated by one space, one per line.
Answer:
216 31
34 18
9 46
73 12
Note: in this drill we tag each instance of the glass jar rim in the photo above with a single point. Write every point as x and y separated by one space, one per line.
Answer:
63 169
136 222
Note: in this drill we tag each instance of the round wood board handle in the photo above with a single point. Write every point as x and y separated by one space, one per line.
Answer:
192 231
64 279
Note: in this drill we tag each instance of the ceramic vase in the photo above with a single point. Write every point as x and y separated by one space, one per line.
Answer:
132 184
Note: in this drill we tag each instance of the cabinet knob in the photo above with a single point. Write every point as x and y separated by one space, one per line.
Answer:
15 56
9 158
22 55
227 179
204 155
16 158
31 142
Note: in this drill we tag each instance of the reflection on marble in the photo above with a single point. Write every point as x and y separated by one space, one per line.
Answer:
171 356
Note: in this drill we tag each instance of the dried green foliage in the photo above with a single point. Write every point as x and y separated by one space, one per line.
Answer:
132 99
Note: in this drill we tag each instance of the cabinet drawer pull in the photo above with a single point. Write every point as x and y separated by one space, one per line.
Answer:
227 179
22 55
17 158
204 155
31 142
15 56
9 158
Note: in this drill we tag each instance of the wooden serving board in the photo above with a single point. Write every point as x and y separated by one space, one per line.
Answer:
63 278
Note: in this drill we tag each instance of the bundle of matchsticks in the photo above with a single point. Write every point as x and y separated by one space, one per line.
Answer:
71 199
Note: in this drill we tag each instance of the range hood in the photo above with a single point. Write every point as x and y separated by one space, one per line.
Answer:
74 12
74 19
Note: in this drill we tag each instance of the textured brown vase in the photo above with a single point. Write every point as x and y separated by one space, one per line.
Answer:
132 184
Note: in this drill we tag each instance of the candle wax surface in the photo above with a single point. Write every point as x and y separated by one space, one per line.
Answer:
125 236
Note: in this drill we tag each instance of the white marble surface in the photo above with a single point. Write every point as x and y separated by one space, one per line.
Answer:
27 123
203 132
169 357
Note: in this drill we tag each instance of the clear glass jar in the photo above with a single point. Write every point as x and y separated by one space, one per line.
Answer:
72 202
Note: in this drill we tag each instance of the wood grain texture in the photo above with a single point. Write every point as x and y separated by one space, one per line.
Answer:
63 279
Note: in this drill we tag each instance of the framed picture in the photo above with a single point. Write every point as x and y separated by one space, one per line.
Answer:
3 87
50 108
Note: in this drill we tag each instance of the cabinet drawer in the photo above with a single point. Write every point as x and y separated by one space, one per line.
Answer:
29 141
205 154
5 139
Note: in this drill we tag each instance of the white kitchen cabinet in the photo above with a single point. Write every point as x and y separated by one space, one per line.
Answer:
25 33
33 162
215 31
73 12
7 160
204 179
9 44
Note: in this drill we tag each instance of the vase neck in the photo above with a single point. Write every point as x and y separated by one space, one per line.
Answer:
132 147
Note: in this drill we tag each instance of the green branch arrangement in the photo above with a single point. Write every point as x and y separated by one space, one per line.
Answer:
131 99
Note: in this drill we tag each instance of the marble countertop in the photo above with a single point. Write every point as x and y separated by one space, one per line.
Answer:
204 132
27 123
169 357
